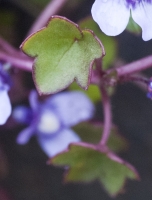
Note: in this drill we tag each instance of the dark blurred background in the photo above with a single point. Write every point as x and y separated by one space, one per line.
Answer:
24 174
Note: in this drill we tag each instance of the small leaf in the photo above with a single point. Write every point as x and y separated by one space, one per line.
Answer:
63 54
88 164
133 27
109 43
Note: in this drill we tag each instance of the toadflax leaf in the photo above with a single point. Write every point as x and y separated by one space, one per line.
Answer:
63 54
110 43
87 164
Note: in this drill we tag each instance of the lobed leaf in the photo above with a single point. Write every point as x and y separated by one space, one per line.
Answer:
87 164
110 43
63 54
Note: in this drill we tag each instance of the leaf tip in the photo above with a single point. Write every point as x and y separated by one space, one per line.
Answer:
99 41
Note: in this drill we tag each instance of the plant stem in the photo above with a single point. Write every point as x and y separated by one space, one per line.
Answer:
139 78
51 9
24 64
7 47
133 67
107 116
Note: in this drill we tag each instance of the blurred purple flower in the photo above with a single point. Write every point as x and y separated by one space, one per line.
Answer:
52 119
149 93
5 105
113 15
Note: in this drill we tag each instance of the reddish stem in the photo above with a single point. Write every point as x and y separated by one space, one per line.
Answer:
7 47
24 64
107 116
133 67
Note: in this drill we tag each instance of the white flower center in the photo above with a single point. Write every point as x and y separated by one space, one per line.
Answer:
48 123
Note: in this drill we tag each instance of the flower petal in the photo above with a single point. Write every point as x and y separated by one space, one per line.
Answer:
71 107
25 135
58 142
142 15
48 122
111 15
33 100
22 114
5 106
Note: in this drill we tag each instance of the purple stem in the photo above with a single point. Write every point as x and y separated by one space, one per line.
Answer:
21 63
139 78
133 67
51 9
96 79
7 47
107 116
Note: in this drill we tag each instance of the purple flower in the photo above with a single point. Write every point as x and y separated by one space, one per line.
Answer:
5 105
52 119
113 15
149 94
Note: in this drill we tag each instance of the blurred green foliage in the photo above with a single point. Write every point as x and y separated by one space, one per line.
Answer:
86 164
92 133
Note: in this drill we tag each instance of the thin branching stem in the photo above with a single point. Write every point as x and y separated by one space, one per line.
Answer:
96 79
24 64
107 116
133 67
7 47
136 78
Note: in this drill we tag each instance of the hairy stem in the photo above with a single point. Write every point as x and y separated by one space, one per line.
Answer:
51 9
107 116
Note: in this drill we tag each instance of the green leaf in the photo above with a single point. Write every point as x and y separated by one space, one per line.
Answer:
133 27
93 91
92 133
63 54
109 43
88 164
